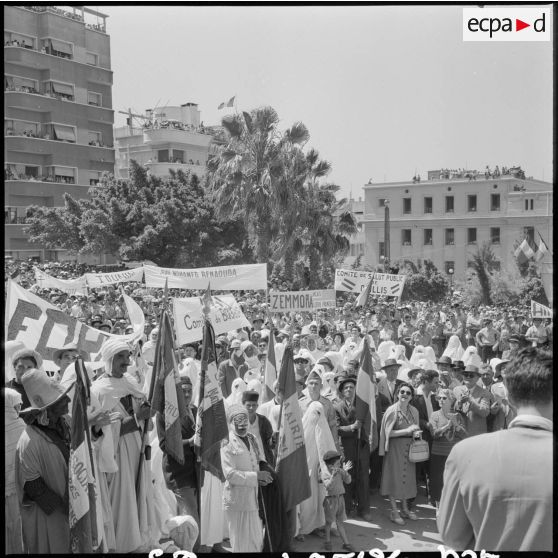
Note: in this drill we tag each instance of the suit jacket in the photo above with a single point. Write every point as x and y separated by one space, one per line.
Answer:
176 475
475 411
505 476
385 399
266 434
419 404
227 373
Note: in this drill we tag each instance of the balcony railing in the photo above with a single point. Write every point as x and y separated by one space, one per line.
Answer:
46 135
69 15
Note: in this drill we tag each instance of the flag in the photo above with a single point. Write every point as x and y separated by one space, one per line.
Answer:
231 102
365 397
270 373
524 252
166 393
363 296
221 106
206 300
211 422
85 519
542 249
291 451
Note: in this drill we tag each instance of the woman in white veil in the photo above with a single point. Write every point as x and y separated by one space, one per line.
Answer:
418 353
238 387
336 359
454 350
318 439
471 356
384 350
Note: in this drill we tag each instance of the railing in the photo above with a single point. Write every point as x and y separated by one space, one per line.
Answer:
47 136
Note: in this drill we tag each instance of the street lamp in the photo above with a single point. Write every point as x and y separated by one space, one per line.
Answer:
450 272
386 236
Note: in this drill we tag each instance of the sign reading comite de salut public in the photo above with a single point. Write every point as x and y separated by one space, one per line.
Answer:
384 284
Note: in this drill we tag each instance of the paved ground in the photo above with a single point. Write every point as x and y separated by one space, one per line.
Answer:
415 536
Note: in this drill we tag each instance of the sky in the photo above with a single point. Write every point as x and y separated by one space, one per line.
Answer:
385 91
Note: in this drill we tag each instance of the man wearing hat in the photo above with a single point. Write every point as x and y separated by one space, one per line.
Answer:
63 358
42 457
456 373
387 387
472 401
22 361
232 368
356 449
514 341
259 426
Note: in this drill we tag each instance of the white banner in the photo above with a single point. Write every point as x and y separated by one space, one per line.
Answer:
539 310
96 280
41 326
384 284
300 301
226 278
69 286
225 315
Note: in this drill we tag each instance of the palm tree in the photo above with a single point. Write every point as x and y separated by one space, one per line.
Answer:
483 262
251 176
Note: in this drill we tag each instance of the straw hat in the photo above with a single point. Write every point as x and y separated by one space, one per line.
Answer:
41 390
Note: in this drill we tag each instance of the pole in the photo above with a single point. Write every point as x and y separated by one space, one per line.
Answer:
387 254
357 470
266 524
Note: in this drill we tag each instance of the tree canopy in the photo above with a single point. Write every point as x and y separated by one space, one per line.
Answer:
169 221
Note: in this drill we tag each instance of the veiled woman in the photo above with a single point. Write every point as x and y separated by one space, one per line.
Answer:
471 356
454 349
318 439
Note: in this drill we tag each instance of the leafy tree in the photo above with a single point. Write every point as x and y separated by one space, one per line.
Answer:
483 262
426 283
170 222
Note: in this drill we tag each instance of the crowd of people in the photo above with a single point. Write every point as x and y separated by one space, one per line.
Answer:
443 373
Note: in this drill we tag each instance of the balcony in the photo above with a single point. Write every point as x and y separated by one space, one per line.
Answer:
164 136
161 170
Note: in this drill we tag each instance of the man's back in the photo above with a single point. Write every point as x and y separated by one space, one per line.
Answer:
497 493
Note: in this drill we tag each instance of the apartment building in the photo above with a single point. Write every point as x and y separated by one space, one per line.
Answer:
58 127
445 217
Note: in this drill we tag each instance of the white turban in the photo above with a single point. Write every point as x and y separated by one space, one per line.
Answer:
112 347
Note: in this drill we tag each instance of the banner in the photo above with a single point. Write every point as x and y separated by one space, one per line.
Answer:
226 278
299 301
69 286
384 284
540 310
96 280
44 328
225 315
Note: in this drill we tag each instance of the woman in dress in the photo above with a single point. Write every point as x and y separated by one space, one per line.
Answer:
447 429
399 423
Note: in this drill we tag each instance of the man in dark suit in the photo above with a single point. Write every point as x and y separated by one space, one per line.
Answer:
425 403
182 479
387 396
356 450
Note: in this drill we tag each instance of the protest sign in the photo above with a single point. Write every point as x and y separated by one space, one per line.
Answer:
384 284
68 286
229 278
539 310
225 315
324 298
96 280
299 301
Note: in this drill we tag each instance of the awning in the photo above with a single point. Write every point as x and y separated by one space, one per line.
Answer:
64 171
65 133
61 47
25 82
63 89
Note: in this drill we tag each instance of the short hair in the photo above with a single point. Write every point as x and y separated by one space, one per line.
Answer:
428 375
355 327
340 335
26 357
405 384
447 392
528 376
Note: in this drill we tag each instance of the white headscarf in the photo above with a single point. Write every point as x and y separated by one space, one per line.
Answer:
471 356
110 348
454 350
10 349
317 435
384 350
238 387
13 427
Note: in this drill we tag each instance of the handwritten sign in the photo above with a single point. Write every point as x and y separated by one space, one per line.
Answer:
384 284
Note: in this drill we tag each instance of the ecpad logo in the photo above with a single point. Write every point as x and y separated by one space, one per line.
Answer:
507 24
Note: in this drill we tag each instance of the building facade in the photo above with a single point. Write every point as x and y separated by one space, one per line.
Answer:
357 241
58 127
445 218
164 139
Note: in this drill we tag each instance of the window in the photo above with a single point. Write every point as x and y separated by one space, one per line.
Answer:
406 237
450 237
94 99
448 266
495 235
94 138
381 202
471 236
428 237
22 128
58 48
63 91
61 132
17 83
91 58
177 156
428 205
406 205
62 175
17 39
529 204
449 204
495 202
163 155
472 203
381 249
94 177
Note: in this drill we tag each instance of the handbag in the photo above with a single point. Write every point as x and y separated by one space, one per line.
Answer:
418 451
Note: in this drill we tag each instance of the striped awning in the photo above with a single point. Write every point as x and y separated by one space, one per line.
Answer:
65 133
